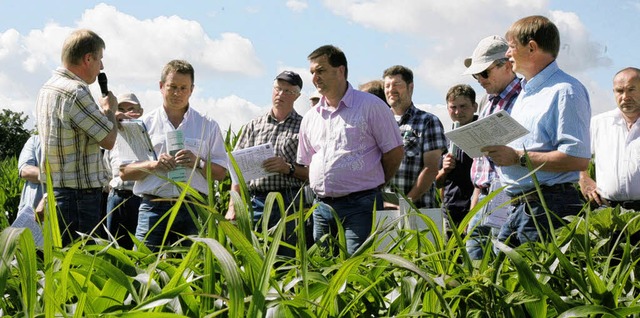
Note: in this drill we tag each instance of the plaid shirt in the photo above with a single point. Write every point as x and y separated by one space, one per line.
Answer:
284 137
71 125
421 132
483 170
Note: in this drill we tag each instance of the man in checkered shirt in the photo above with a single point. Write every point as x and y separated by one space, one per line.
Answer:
279 126
422 136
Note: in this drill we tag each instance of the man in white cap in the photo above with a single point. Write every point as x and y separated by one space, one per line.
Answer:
489 66
122 206
554 107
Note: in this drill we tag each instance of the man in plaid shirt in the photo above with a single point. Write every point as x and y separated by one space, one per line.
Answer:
73 127
280 126
492 70
422 136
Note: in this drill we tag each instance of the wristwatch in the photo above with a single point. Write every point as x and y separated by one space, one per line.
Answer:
201 164
292 169
523 160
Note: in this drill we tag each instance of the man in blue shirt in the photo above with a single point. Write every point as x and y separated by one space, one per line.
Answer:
555 108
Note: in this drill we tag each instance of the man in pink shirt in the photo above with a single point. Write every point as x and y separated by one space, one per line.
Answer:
352 146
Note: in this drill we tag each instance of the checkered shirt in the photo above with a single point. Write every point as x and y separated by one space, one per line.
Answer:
483 170
421 132
71 124
284 137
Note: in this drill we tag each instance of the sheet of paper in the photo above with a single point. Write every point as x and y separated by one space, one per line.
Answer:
27 219
133 143
497 210
250 160
175 143
496 129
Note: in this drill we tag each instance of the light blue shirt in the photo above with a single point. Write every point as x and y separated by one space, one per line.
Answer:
555 108
30 155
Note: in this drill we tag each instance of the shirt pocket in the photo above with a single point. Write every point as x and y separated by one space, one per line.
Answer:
195 145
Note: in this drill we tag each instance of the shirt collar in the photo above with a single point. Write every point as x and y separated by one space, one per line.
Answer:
67 73
347 100
537 80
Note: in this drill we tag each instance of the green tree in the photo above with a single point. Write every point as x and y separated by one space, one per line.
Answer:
13 133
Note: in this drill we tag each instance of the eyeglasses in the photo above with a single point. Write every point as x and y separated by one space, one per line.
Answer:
279 90
484 74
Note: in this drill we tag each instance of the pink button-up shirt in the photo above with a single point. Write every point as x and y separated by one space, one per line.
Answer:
343 147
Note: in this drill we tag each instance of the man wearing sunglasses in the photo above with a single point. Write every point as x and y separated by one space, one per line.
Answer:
489 66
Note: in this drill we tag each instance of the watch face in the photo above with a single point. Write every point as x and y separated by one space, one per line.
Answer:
523 160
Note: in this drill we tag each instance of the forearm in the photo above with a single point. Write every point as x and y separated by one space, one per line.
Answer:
30 173
301 172
391 162
423 183
109 141
136 170
556 161
441 177
474 198
216 172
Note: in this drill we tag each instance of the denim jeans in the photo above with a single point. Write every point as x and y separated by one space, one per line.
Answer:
480 233
289 196
520 227
150 213
355 211
78 211
122 216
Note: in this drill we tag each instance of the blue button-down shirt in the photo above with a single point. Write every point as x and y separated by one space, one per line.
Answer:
555 108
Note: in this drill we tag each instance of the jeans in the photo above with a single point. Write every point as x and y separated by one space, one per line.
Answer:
78 212
355 211
122 216
520 227
149 215
289 196
480 233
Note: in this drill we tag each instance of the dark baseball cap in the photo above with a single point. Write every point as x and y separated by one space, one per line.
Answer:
290 77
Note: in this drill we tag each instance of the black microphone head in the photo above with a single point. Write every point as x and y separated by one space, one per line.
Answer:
102 81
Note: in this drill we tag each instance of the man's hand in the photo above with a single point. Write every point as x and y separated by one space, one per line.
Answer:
276 164
165 162
589 189
448 163
186 158
502 155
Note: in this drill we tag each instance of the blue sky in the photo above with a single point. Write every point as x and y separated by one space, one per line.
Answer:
238 47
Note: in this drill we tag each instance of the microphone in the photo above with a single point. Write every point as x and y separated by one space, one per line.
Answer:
102 81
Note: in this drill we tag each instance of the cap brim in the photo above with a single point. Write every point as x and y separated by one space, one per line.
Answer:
476 68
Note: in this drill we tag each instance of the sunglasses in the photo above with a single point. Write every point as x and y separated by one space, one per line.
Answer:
484 74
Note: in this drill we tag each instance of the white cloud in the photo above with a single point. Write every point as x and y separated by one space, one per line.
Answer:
446 32
296 5
135 53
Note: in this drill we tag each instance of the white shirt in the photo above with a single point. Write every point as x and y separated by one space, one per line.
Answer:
617 156
202 136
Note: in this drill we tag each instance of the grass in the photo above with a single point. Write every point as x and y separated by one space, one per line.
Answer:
588 269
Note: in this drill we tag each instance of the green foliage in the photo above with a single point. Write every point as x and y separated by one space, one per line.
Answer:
10 190
13 133
589 268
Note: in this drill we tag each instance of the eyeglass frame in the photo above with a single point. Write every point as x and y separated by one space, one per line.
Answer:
280 90
485 74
